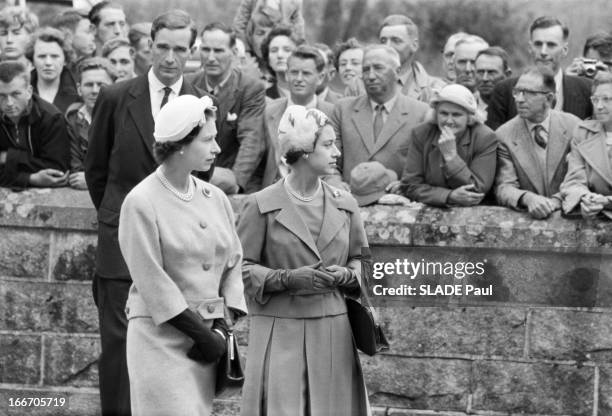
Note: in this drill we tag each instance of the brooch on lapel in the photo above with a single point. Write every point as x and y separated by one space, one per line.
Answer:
336 193
231 116
206 192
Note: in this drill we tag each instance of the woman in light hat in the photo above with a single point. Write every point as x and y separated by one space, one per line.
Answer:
178 239
451 157
302 242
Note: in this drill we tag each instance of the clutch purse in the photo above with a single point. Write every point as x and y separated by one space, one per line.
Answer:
367 333
230 376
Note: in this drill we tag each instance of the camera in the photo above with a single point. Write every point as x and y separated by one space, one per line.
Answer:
590 67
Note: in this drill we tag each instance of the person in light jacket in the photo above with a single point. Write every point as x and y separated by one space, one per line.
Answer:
178 239
588 181
302 242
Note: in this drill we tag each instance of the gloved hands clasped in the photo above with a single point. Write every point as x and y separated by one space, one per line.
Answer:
314 277
209 343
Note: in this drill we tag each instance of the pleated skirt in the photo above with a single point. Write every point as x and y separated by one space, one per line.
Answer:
163 381
303 367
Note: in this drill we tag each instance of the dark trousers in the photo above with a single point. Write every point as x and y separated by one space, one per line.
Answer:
110 296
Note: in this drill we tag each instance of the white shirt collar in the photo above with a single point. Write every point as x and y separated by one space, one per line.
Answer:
388 105
545 123
156 85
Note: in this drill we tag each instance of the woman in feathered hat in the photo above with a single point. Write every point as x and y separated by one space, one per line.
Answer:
178 239
302 242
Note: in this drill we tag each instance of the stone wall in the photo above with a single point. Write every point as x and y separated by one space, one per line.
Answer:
540 345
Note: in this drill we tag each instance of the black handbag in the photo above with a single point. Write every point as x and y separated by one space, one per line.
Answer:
230 376
367 333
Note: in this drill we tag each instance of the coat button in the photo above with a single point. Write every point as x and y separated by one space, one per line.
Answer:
206 266
203 224
210 308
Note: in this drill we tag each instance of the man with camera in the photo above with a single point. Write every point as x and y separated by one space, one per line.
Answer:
596 56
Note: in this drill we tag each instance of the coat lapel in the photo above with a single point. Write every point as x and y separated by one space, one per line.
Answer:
595 153
362 118
558 140
525 155
274 198
140 111
333 220
227 96
395 121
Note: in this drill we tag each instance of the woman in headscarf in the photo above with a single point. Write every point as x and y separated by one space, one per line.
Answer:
178 239
451 158
302 243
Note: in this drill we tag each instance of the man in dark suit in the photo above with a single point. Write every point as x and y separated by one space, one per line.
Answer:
374 127
241 103
120 155
547 46
531 156
305 69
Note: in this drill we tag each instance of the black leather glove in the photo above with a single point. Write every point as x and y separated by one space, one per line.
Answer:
307 278
209 343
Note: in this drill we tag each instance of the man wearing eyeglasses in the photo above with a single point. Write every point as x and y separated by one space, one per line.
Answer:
548 45
533 145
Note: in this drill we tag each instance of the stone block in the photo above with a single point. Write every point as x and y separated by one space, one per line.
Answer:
83 402
547 389
389 225
24 253
450 331
570 335
414 383
20 359
226 407
71 360
605 390
73 256
41 306
489 226
61 208
515 276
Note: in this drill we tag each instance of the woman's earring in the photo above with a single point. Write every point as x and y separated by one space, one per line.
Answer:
181 152
305 156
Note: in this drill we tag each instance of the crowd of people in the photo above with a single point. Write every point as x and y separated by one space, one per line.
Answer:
113 107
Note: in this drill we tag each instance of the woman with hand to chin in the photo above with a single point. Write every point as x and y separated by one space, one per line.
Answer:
451 157
302 243
588 181
178 239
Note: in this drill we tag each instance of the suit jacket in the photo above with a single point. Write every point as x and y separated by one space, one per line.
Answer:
274 237
576 100
273 114
353 122
119 156
240 115
589 167
429 179
518 169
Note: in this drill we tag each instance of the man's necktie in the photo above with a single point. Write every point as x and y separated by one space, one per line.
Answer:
167 91
538 136
378 120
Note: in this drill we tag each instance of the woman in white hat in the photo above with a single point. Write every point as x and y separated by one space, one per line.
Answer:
451 157
178 239
302 242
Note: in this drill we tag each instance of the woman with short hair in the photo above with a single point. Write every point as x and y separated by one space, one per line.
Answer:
451 157
178 239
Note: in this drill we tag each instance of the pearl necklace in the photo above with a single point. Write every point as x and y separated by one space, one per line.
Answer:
296 195
185 196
